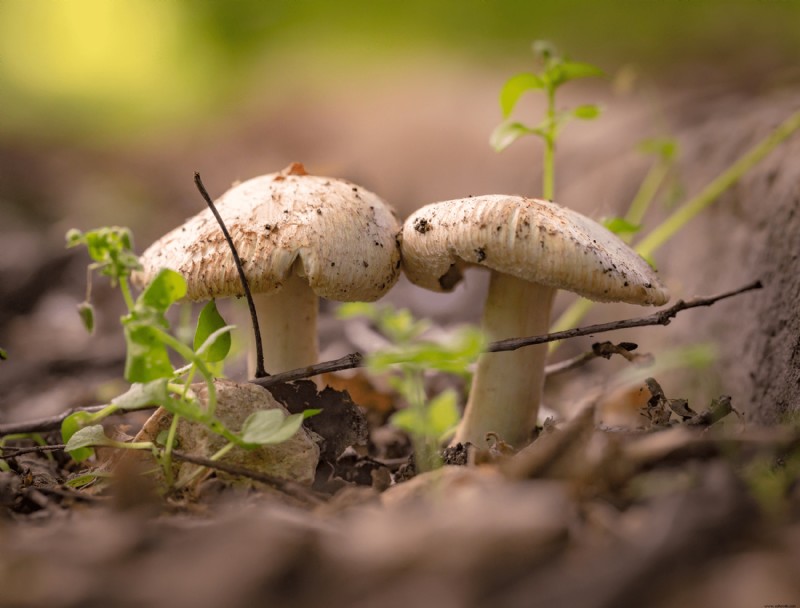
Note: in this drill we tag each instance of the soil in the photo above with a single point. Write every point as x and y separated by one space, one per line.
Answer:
661 513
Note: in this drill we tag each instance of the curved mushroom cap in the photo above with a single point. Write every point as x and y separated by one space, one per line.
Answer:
531 239
341 237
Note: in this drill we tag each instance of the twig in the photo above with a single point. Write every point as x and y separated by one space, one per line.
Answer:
599 349
662 317
12 452
351 361
355 360
260 372
289 487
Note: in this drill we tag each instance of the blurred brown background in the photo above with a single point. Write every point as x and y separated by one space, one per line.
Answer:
108 108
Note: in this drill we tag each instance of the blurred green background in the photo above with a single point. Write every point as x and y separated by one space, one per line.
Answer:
108 106
108 69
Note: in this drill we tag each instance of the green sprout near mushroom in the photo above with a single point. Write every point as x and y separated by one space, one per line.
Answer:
556 71
154 380
429 422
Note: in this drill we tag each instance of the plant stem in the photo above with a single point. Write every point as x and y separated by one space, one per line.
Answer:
667 229
188 354
125 288
424 451
646 194
548 175
166 462
200 468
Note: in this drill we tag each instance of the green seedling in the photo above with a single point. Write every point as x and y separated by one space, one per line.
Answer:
428 422
148 364
556 71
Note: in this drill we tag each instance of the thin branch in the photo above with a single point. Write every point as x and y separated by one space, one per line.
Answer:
662 317
351 361
7 452
355 360
599 349
289 487
260 372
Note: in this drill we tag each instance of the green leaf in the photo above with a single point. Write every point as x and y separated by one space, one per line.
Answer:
266 427
164 290
452 357
409 420
312 411
399 325
586 112
140 396
545 49
619 225
514 88
147 357
3 354
75 422
442 414
564 71
71 425
208 323
80 481
86 437
86 313
506 133
434 421
74 237
350 310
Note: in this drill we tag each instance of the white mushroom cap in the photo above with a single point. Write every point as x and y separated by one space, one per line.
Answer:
531 239
339 236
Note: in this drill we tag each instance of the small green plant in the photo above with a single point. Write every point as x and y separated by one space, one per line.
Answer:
148 365
428 422
556 71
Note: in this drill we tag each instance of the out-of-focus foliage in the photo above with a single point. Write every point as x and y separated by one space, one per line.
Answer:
109 68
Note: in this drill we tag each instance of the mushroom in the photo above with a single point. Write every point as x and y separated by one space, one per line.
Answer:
299 236
532 248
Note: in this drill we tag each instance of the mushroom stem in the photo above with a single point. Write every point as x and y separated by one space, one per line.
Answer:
288 321
507 387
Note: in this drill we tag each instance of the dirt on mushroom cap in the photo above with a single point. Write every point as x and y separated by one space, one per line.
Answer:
338 235
531 239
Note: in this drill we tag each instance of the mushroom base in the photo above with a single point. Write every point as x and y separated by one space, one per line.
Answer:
507 387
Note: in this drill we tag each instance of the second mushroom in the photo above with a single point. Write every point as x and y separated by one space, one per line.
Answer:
532 248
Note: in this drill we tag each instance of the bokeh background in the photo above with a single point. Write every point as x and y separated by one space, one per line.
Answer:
109 107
